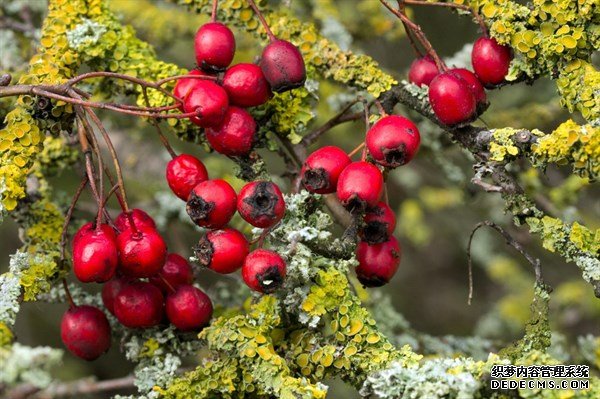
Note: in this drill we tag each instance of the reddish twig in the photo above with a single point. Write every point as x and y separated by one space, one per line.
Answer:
463 7
252 4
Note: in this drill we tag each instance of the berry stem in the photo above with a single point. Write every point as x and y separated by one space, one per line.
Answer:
85 147
367 126
463 7
155 123
215 5
409 35
356 150
252 4
164 280
68 293
69 215
380 108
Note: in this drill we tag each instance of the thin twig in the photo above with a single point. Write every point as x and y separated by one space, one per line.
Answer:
264 23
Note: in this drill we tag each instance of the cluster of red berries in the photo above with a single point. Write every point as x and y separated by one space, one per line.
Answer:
457 95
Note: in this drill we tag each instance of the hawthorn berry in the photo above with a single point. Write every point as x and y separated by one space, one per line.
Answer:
212 204
377 263
236 134
264 271
422 71
214 45
185 85
175 272
490 60
210 100
261 203
140 219
85 332
359 186
188 308
322 168
283 66
142 252
184 172
379 224
474 84
246 85
223 251
110 290
393 141
139 305
451 99
95 256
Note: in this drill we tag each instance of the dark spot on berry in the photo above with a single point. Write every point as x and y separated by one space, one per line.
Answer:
270 280
198 208
395 156
204 251
375 232
263 201
372 281
211 68
316 179
356 205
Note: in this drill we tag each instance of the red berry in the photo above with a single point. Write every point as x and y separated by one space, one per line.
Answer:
261 203
210 100
283 66
377 262
188 308
236 135
212 204
322 169
473 82
185 85
223 251
184 172
176 271
393 141
360 185
95 256
422 71
85 332
142 253
490 60
246 85
110 290
451 99
215 46
264 271
139 305
140 219
380 223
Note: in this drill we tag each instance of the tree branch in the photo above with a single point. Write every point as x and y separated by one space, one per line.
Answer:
76 389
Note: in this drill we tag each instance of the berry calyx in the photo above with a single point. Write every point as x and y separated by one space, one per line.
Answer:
175 272
379 224
184 172
142 253
264 271
451 99
140 219
139 305
188 308
377 262
95 256
490 60
261 204
474 84
111 289
283 66
236 134
223 251
212 203
322 168
422 71
393 141
185 85
209 100
246 85
359 186
85 332
214 45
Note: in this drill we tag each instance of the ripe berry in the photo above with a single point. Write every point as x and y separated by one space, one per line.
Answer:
261 203
451 99
283 66
184 172
246 85
140 219
422 71
360 185
212 204
176 271
188 308
474 84
236 134
185 85
393 141
139 305
223 251
215 46
85 332
111 289
95 256
141 253
380 223
264 271
322 169
210 99
377 262
490 60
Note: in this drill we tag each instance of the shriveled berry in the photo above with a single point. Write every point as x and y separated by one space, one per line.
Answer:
379 224
451 99
139 305
209 100
422 71
185 85
184 172
236 134
140 219
95 256
212 203
188 308
214 45
359 186
175 272
142 252
393 141
283 66
474 84
377 262
223 251
246 85
490 60
85 332
264 271
322 168
110 290
261 203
